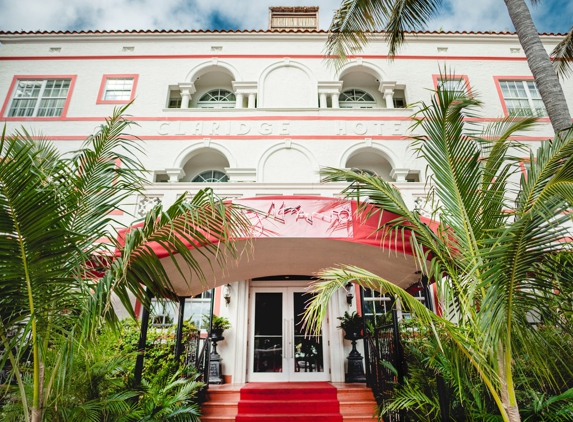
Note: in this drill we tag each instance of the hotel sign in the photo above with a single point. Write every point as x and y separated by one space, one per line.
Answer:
283 128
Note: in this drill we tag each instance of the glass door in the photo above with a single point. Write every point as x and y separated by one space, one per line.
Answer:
278 348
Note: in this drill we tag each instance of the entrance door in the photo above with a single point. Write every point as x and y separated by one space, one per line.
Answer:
279 350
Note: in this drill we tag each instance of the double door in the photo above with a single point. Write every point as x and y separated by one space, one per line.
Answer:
279 350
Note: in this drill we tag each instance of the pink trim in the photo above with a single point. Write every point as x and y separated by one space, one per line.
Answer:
358 299
217 304
258 56
243 137
116 212
230 118
17 78
104 79
496 79
245 118
436 78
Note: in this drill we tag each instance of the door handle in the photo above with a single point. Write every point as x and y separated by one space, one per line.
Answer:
288 339
285 339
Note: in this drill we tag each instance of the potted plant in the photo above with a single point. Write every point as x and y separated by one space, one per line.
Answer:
352 324
220 324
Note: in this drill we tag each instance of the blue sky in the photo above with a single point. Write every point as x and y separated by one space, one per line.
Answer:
32 15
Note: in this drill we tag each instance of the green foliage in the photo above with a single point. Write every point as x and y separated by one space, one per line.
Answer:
493 249
351 323
219 323
468 399
100 382
58 277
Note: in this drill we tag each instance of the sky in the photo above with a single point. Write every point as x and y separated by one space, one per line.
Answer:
47 15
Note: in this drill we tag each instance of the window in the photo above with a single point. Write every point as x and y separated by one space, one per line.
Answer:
40 97
174 102
522 98
459 85
211 176
376 304
117 89
217 98
356 98
418 294
164 312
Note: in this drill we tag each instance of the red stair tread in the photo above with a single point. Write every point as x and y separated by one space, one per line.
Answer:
296 402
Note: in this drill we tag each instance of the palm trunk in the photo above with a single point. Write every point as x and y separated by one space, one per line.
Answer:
507 392
540 65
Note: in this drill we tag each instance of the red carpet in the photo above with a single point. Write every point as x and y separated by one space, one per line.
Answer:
288 401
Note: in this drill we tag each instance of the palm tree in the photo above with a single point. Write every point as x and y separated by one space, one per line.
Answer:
61 261
491 252
356 20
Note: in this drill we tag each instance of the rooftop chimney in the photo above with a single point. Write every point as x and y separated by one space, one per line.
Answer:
298 17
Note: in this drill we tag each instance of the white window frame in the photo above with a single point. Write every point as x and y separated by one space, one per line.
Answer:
164 313
213 103
381 299
125 90
222 179
36 103
532 97
357 104
119 89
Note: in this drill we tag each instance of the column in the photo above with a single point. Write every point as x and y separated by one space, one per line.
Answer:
251 103
323 103
334 98
399 174
389 96
174 174
244 89
387 89
329 89
187 89
185 98
239 102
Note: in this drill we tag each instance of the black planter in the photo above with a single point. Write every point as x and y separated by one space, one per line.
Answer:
215 376
355 366
217 334
352 335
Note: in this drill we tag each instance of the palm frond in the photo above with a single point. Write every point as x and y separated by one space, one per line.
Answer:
356 21
562 55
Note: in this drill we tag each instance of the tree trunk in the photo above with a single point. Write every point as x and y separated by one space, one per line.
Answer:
512 411
540 65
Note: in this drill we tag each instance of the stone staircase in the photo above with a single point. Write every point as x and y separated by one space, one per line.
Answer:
222 403
356 402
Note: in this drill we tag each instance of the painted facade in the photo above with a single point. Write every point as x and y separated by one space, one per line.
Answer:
256 115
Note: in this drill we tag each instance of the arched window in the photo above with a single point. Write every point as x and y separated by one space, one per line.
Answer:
217 98
356 98
211 176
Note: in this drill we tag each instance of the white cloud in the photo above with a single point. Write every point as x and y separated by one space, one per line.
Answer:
481 15
31 15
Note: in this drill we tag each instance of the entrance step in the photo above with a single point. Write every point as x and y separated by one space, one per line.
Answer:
222 403
296 402
293 401
357 403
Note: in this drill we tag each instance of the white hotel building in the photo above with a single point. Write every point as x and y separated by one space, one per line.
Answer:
256 114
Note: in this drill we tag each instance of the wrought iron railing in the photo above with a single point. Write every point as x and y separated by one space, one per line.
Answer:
385 364
197 353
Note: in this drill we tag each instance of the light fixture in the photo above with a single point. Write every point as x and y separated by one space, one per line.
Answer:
227 293
349 293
